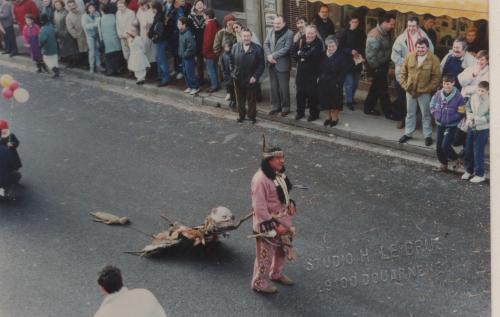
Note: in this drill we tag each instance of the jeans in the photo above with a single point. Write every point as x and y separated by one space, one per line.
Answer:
444 141
212 72
10 40
173 45
162 62
94 54
421 101
351 85
188 65
474 151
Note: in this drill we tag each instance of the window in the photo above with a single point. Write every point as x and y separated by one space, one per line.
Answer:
229 5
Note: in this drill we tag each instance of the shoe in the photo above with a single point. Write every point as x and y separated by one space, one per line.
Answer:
299 116
312 118
285 113
140 82
283 279
212 90
187 91
239 120
454 165
56 72
428 141
334 123
173 73
194 91
372 112
389 116
400 125
404 138
13 54
273 112
327 122
254 121
466 176
442 168
162 84
478 179
179 76
350 106
228 97
268 290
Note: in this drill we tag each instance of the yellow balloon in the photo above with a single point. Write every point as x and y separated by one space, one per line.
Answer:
5 80
21 95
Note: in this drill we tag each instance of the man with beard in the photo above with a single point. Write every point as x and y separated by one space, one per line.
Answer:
272 219
277 48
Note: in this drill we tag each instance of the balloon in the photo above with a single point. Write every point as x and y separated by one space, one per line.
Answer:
7 93
21 95
5 80
14 85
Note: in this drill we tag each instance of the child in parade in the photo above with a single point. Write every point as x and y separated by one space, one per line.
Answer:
30 37
138 61
478 119
447 109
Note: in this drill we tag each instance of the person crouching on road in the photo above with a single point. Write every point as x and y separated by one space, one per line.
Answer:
225 63
30 37
48 45
246 68
119 301
446 107
187 52
272 219
9 139
137 61
478 121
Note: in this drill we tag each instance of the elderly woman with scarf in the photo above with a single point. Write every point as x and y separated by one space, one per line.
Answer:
331 80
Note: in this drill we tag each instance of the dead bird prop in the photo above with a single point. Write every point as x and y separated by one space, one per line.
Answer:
109 219
220 221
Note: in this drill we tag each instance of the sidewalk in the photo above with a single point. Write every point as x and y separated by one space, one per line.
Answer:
354 125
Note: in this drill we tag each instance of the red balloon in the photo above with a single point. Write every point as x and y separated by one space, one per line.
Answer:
7 93
14 85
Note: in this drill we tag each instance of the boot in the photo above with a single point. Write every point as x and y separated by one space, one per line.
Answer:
56 72
38 67
44 67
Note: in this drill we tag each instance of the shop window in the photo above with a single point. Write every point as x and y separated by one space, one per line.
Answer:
444 24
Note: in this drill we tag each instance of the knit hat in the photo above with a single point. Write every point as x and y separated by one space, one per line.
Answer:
268 152
228 18
4 128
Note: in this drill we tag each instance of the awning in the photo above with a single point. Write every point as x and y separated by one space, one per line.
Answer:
470 9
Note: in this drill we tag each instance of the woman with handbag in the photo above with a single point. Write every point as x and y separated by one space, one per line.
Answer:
158 35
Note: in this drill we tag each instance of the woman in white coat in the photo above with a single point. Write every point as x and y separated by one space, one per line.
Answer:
473 75
145 17
137 62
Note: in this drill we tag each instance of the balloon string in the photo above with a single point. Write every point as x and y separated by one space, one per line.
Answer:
11 117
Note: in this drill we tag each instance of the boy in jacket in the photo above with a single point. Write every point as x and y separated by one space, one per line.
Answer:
187 52
446 106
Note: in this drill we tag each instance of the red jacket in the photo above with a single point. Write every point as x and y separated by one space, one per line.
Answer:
132 5
23 8
208 39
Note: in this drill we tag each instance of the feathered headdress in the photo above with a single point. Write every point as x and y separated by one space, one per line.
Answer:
270 151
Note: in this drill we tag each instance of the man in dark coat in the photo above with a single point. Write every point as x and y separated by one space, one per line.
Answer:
247 67
8 175
323 23
429 21
309 52
9 140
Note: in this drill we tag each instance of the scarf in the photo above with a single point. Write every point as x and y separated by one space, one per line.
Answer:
280 180
409 40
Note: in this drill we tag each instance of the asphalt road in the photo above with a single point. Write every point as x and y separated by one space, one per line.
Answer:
376 236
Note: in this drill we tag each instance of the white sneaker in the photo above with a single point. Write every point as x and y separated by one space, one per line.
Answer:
188 90
179 76
478 179
2 192
194 91
466 176
228 97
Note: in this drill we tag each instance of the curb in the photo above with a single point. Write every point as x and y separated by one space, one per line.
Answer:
213 101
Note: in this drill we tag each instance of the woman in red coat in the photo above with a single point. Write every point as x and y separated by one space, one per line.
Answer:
23 7
211 29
